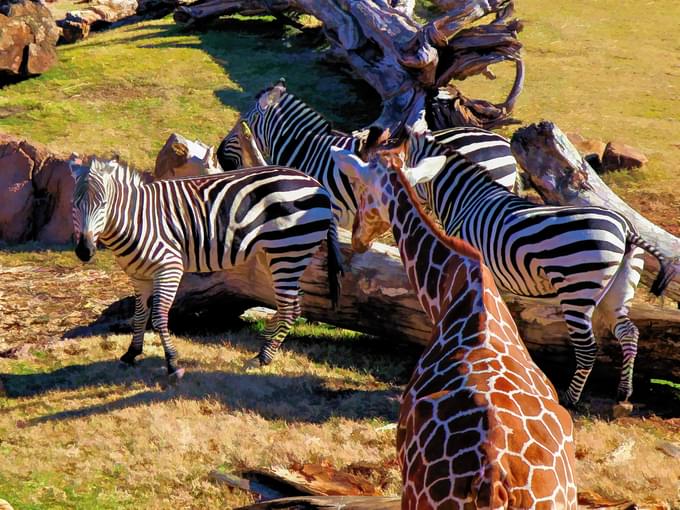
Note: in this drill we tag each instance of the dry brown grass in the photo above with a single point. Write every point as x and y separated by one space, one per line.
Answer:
77 431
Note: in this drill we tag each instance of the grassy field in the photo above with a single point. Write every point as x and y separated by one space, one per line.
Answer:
76 431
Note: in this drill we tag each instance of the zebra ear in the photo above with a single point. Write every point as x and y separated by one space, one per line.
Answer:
425 170
273 94
76 166
350 164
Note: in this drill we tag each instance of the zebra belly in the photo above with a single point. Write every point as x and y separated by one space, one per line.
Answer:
535 261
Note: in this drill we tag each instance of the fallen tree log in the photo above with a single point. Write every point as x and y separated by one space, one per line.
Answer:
410 64
562 177
76 25
377 299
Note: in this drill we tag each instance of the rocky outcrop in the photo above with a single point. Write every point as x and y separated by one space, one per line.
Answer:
28 36
36 187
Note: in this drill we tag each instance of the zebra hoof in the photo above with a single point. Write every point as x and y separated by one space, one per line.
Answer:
569 404
253 363
127 362
176 376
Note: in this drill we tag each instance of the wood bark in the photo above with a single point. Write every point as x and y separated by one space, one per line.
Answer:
562 177
180 157
377 299
408 63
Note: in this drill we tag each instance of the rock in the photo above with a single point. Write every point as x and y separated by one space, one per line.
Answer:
28 36
622 409
52 205
37 189
619 156
181 157
103 13
670 449
587 146
16 189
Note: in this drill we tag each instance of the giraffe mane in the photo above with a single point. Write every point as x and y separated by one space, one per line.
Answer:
456 244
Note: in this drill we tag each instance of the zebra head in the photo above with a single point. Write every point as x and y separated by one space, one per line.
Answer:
239 148
373 184
90 198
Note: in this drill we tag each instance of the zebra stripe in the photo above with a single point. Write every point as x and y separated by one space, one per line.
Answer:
290 133
577 256
159 231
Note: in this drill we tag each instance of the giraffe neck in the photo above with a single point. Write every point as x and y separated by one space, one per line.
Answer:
439 267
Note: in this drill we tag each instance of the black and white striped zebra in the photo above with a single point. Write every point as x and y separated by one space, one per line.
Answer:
160 230
579 257
286 131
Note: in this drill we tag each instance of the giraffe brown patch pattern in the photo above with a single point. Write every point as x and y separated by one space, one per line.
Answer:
480 425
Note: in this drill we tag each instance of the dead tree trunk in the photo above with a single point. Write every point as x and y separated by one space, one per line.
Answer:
408 63
377 299
562 177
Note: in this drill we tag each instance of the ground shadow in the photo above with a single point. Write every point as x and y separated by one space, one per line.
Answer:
266 394
256 52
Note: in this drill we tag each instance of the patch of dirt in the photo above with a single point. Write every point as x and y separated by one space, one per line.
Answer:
660 208
9 111
38 305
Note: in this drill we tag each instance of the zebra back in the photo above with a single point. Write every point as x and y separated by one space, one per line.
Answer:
210 223
288 132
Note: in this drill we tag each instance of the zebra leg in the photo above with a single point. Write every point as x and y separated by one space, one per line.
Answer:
143 291
286 268
614 309
165 286
277 328
580 327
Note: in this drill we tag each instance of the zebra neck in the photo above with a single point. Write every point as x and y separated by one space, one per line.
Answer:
429 256
461 186
124 203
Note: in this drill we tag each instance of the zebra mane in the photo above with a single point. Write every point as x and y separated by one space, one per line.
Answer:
86 175
326 127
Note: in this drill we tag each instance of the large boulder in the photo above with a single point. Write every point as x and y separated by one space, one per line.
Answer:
28 36
37 188
16 189
100 14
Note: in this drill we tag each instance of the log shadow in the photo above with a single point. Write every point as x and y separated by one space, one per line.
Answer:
254 53
266 394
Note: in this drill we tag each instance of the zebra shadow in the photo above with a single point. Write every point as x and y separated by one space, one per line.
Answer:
294 398
386 359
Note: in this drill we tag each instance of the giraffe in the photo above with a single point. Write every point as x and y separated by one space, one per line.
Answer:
480 425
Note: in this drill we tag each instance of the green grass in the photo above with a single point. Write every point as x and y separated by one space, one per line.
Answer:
55 255
76 432
124 91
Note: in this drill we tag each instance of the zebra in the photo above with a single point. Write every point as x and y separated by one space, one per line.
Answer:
280 129
162 229
579 257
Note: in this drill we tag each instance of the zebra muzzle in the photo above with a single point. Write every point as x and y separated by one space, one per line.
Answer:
85 249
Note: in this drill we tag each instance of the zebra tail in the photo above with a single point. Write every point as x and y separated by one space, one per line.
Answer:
334 264
666 270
